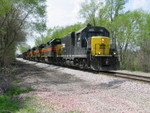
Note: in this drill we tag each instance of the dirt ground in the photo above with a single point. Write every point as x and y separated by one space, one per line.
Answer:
74 91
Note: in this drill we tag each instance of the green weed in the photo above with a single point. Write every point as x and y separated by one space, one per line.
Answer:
16 91
8 104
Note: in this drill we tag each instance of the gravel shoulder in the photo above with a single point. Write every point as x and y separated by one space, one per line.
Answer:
67 90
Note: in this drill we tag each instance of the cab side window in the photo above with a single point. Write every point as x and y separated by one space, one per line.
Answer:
78 39
84 40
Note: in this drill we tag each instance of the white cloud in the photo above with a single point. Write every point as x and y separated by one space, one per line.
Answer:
136 4
62 12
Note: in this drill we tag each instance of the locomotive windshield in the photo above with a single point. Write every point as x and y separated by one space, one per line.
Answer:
90 34
97 32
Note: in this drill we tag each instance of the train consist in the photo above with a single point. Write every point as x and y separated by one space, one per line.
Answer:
88 48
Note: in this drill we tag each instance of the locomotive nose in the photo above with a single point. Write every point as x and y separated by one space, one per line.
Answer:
100 45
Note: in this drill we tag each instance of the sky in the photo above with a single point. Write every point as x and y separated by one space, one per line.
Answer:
65 12
62 12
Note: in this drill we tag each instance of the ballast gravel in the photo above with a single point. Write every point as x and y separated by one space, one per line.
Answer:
69 89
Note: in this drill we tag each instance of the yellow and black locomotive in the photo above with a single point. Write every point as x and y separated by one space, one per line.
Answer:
87 48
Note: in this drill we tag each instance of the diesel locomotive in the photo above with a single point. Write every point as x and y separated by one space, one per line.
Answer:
88 48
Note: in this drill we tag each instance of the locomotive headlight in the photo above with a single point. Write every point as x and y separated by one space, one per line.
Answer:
114 53
99 53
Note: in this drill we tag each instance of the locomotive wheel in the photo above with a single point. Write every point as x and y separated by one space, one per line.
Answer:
81 66
85 65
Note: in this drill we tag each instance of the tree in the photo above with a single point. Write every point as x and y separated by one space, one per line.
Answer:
22 47
126 32
57 32
133 37
41 40
16 19
89 10
114 8
143 42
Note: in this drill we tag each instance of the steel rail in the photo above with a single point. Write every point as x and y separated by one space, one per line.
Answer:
128 76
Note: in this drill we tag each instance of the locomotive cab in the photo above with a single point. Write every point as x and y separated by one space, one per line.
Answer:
99 41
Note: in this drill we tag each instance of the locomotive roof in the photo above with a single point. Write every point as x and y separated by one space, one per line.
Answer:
53 40
28 50
89 26
42 45
33 48
68 35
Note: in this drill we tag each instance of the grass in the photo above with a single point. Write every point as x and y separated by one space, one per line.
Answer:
8 103
16 91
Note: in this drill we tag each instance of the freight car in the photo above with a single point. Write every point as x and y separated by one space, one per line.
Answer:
87 48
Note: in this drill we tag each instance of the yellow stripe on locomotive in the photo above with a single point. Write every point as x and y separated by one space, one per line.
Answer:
59 49
100 45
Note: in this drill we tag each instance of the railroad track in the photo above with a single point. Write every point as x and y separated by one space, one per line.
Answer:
128 76
118 74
